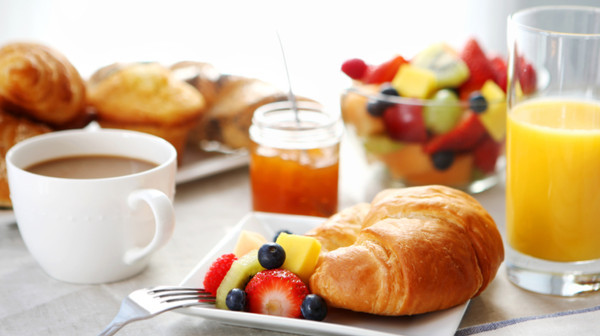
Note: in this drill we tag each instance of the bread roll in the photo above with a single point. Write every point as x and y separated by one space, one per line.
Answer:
40 83
419 250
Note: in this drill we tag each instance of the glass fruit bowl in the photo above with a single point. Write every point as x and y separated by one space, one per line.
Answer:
440 140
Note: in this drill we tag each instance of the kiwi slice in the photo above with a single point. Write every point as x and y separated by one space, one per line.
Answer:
238 276
443 113
448 67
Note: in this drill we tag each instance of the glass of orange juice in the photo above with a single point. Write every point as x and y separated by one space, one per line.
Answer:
553 150
294 163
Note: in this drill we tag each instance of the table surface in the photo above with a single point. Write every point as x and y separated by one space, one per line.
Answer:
32 303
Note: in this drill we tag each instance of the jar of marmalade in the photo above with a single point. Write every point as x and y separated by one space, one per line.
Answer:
294 164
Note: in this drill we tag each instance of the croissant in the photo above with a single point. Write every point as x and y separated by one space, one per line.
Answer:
228 119
40 83
419 250
341 229
12 130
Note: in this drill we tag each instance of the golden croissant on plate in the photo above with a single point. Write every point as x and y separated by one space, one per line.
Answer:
40 83
418 250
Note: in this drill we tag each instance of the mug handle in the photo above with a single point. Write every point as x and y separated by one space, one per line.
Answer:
164 219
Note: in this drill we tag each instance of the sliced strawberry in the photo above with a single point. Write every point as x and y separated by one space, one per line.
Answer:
405 122
486 153
276 292
463 137
479 68
355 68
384 72
526 74
217 271
500 69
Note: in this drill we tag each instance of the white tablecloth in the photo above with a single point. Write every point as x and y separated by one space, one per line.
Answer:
31 303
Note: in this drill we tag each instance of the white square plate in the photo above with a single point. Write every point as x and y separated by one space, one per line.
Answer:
338 321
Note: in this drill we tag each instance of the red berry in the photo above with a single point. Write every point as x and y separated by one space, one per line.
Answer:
384 72
486 153
526 74
463 137
479 68
404 122
355 68
217 271
276 292
500 71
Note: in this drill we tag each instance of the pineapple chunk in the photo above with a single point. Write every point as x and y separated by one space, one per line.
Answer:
494 118
248 241
414 82
301 254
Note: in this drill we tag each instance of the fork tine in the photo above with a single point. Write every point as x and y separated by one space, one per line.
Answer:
175 294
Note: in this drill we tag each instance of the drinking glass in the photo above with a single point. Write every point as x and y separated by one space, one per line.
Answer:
553 150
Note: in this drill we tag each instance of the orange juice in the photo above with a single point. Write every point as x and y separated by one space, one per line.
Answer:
553 179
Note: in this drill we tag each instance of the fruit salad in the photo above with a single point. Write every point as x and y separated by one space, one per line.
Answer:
438 118
268 277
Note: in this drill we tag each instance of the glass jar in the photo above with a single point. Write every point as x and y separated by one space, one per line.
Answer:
294 164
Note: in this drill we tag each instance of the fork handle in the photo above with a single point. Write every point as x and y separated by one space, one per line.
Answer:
115 325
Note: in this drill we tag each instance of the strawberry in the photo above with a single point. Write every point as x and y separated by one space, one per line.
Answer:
486 153
405 122
355 68
526 74
276 292
479 66
384 72
500 71
217 272
463 137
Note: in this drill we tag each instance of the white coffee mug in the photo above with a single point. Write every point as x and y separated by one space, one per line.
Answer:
100 229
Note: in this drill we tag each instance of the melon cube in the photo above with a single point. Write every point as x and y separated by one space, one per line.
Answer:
301 254
414 82
248 241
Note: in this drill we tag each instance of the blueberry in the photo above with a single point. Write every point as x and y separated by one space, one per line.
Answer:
442 160
236 299
390 91
271 255
477 102
314 308
280 232
377 107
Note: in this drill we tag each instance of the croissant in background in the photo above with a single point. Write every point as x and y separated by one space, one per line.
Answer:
12 130
419 250
40 83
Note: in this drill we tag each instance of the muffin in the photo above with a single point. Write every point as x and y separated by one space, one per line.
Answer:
145 97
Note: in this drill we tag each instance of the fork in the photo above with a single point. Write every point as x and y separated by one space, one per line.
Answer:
148 302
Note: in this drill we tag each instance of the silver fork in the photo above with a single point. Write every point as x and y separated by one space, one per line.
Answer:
148 302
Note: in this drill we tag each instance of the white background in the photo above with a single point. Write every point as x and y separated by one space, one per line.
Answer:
240 36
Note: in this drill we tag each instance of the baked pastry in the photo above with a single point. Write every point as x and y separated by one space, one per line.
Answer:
12 130
201 75
145 97
40 83
419 250
228 120
341 229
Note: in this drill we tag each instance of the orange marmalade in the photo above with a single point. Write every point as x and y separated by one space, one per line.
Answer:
294 160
